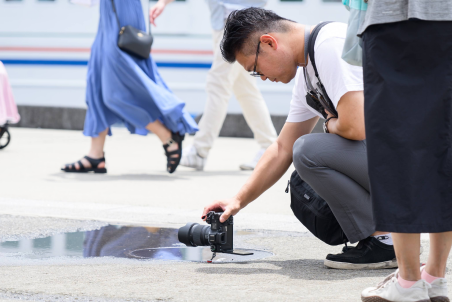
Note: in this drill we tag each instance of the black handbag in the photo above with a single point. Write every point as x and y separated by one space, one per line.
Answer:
133 40
313 212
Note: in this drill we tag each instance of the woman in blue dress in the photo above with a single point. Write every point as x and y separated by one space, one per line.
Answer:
126 89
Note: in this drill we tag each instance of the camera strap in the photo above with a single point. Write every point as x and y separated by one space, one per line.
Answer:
321 100
307 79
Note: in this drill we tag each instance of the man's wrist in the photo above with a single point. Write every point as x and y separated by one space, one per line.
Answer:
243 197
325 124
240 200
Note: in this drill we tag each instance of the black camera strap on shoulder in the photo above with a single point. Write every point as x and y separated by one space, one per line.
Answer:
318 100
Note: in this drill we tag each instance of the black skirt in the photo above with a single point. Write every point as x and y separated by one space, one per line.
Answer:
408 111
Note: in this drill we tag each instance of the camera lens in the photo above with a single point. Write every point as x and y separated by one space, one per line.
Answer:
194 234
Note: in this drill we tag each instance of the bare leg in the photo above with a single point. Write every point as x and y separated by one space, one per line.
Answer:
440 245
164 135
407 248
97 145
96 150
160 130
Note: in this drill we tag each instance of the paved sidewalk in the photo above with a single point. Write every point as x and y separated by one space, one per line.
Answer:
137 190
136 173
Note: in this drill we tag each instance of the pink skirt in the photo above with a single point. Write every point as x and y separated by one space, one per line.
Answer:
8 108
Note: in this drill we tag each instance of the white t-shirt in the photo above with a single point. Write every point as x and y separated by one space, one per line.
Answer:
337 76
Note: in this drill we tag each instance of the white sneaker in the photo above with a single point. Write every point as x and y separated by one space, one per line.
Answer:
252 164
438 292
390 291
191 159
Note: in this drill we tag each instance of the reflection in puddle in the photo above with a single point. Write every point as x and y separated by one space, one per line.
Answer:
197 254
121 242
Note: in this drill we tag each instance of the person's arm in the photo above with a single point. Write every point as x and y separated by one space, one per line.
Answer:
270 168
157 9
350 123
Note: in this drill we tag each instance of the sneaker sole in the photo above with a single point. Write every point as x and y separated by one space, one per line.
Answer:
379 299
440 299
354 266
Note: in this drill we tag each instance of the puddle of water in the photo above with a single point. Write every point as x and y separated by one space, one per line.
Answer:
198 254
121 242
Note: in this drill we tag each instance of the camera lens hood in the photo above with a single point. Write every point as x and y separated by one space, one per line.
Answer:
184 234
199 231
194 234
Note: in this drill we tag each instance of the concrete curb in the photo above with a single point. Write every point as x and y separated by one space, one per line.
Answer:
51 117
74 118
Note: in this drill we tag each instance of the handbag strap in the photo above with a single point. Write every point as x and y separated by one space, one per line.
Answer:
116 14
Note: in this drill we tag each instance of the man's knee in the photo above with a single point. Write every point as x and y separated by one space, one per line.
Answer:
305 151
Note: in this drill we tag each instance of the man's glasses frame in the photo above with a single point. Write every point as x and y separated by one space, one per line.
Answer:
254 73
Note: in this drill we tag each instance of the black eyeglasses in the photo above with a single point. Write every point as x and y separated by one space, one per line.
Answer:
254 73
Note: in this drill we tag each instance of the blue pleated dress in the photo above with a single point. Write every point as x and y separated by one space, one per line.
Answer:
124 88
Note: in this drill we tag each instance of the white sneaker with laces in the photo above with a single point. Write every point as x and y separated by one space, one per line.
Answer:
191 159
390 291
252 164
438 292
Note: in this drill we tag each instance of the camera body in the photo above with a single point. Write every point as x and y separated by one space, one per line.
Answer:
219 236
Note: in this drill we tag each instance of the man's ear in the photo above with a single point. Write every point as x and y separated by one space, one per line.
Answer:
269 40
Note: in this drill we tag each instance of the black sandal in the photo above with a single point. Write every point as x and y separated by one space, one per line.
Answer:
173 162
5 137
94 166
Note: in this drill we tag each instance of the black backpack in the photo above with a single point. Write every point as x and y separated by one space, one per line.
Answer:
313 212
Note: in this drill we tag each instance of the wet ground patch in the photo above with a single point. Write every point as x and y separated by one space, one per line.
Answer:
118 241
15 227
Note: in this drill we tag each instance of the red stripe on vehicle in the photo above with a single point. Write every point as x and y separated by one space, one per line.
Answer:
73 49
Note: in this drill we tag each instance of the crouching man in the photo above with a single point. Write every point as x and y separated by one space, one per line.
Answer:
334 164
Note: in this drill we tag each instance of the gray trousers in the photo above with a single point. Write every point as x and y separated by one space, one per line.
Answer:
336 168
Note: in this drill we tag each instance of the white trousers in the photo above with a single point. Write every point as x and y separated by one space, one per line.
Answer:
223 79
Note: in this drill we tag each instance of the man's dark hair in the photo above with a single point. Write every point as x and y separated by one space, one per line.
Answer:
244 25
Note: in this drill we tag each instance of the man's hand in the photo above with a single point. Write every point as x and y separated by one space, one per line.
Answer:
329 114
228 207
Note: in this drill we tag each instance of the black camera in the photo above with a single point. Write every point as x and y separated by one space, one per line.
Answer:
219 236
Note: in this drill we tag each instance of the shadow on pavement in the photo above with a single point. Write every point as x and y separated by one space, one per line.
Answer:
212 173
178 175
305 269
106 177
